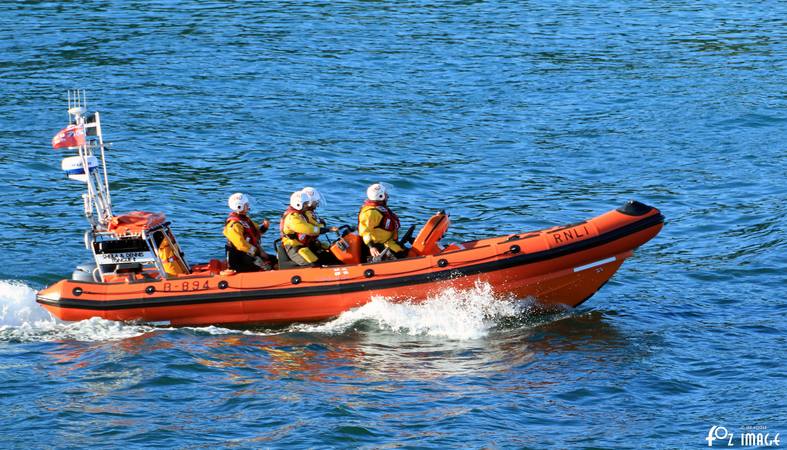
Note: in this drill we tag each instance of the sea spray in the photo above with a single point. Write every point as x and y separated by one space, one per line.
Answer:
451 313
18 306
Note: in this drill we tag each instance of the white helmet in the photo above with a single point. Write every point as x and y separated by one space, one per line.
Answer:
238 202
314 196
298 199
376 192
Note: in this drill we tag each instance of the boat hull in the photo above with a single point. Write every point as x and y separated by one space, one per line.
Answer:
557 266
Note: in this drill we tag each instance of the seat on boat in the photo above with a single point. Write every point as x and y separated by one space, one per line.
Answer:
326 258
284 260
426 243
349 248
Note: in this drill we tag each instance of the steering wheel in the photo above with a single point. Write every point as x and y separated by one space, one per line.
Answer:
344 230
341 232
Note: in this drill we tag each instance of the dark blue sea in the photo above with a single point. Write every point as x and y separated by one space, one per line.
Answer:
510 115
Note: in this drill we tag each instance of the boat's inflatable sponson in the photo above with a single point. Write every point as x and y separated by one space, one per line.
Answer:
634 208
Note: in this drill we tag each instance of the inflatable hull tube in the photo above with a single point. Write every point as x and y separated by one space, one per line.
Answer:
562 265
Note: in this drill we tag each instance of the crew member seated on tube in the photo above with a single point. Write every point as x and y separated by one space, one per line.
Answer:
244 252
301 228
378 226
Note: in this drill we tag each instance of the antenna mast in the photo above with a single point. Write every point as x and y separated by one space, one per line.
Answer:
84 166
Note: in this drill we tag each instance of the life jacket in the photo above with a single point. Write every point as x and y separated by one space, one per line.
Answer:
390 221
172 265
250 231
304 239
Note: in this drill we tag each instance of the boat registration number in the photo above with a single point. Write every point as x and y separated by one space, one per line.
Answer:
186 286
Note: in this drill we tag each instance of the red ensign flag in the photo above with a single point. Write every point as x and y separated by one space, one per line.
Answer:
70 136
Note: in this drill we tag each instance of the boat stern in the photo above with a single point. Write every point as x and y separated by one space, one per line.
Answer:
49 299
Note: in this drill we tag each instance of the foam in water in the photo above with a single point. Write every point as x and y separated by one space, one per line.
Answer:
453 314
18 306
23 320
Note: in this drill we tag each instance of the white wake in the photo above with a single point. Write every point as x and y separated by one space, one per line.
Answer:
452 314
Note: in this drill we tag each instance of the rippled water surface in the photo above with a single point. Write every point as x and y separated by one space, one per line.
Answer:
510 115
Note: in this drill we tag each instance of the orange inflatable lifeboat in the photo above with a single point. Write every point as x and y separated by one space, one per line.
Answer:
139 272
559 265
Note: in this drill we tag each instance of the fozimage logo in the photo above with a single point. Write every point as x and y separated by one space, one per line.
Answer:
750 435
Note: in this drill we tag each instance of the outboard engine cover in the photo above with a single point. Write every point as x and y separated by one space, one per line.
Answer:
87 272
